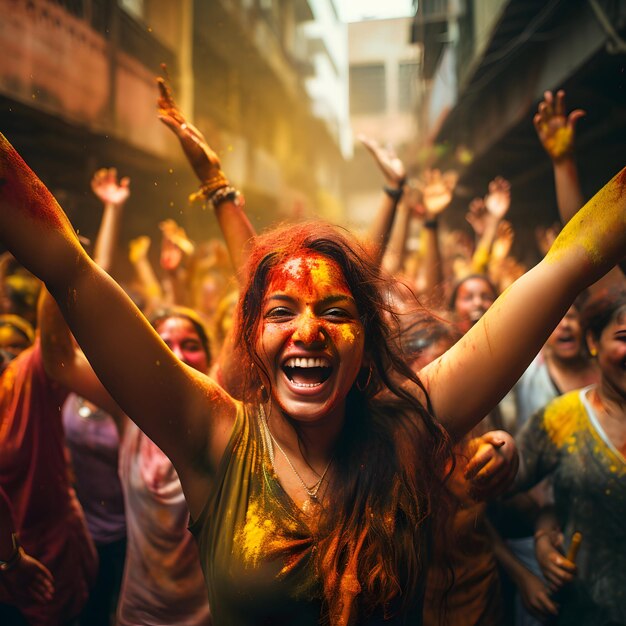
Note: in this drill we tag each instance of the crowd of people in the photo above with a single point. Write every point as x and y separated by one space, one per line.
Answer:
306 426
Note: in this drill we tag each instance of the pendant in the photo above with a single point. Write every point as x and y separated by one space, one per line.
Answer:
311 506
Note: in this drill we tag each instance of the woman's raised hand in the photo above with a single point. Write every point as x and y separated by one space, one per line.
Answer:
476 216
545 237
138 248
437 190
202 158
105 186
498 198
554 128
501 247
175 245
390 165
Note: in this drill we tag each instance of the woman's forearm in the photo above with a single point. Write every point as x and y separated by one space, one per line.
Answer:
475 373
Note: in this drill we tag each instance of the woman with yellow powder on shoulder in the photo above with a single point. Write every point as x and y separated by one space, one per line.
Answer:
313 499
579 439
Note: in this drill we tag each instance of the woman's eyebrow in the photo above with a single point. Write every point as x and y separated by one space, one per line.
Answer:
280 297
333 299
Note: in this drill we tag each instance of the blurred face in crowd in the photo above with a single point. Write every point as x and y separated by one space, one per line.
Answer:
182 339
565 342
611 353
474 296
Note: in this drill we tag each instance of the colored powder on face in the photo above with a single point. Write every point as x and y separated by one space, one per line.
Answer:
347 333
604 213
293 267
323 273
310 271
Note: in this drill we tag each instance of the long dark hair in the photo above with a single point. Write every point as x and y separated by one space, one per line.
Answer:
392 456
601 309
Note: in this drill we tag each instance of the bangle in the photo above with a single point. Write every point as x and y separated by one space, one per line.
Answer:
15 558
394 193
209 187
222 195
431 223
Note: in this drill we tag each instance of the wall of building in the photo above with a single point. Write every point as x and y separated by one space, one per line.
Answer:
384 81
77 92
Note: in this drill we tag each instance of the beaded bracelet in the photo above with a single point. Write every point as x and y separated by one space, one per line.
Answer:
209 187
222 195
393 193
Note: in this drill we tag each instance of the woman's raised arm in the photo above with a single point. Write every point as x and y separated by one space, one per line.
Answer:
180 409
468 380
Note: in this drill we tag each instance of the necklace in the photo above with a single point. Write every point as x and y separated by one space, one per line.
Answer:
270 442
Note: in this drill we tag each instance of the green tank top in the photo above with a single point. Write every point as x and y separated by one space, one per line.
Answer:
256 550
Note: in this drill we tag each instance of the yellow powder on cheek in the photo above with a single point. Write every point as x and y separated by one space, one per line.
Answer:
347 333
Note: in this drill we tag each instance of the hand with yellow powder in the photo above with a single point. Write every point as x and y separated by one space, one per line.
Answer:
554 128
484 217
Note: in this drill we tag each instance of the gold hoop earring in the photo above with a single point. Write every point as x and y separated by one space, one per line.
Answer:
360 387
593 352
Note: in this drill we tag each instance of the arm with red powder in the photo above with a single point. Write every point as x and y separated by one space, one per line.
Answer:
473 376
181 410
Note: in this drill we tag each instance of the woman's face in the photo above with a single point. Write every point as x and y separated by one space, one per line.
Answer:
473 298
311 339
611 353
565 341
182 339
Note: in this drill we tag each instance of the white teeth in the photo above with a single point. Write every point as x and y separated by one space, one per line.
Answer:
305 384
304 362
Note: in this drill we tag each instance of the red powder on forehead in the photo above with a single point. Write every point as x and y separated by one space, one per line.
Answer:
307 270
20 186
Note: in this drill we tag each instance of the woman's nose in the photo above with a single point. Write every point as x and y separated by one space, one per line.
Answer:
308 330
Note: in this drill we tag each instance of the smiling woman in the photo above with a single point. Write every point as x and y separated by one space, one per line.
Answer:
331 412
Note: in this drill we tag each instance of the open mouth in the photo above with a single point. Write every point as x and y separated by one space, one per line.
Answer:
474 316
566 340
307 372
